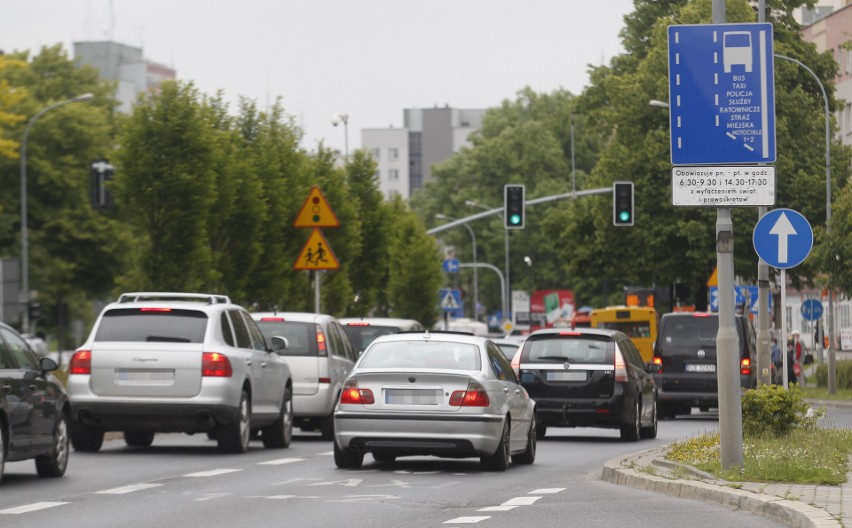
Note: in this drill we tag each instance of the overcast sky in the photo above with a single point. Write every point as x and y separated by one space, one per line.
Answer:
369 59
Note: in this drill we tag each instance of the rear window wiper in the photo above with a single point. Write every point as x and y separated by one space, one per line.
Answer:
168 339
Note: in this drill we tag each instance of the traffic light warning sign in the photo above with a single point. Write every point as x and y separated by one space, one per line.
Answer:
316 254
316 212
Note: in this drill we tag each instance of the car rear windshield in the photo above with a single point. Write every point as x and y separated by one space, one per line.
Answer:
152 325
593 349
361 335
301 336
691 331
423 354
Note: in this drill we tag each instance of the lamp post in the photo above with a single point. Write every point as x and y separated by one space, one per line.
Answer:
440 216
832 378
25 247
472 203
336 120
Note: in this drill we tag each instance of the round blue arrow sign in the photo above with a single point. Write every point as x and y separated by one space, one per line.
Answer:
783 238
811 310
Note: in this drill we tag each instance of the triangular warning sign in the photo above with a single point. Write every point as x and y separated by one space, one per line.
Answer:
316 254
316 212
714 278
449 302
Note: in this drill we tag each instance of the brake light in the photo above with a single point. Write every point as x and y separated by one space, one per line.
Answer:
699 314
81 362
620 368
357 324
216 365
272 319
658 361
321 342
745 367
353 395
474 396
155 309
573 334
324 380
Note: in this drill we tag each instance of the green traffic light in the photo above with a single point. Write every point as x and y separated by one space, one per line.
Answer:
515 219
624 216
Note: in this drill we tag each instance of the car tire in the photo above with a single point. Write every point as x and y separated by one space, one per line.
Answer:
55 463
540 431
650 432
630 432
138 438
279 434
86 439
235 436
327 427
3 443
346 459
528 456
499 461
380 457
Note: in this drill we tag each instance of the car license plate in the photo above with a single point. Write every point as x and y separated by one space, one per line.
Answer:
411 397
700 367
571 375
145 375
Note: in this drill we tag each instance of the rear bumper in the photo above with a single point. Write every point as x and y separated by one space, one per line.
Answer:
693 398
319 404
155 417
610 412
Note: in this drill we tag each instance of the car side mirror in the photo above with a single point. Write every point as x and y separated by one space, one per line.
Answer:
47 364
653 368
279 344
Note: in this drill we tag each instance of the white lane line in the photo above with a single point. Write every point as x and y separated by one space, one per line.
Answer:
497 508
280 461
127 489
467 520
520 501
212 473
546 491
31 508
326 453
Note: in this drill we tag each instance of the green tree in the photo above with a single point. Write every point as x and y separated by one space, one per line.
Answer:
10 99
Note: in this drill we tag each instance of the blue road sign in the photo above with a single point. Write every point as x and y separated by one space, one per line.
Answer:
721 94
450 301
811 310
741 295
451 265
783 238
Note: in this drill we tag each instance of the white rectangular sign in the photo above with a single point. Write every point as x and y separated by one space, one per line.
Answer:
709 186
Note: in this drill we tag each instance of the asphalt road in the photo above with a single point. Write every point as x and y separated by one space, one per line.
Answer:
183 481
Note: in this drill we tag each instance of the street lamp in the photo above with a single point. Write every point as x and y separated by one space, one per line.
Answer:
336 120
472 203
441 216
661 104
25 247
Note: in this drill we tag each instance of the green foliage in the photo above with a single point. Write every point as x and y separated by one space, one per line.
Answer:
843 373
771 410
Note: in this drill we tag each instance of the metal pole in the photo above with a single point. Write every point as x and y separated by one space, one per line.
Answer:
573 171
441 216
508 314
764 355
496 270
317 291
784 325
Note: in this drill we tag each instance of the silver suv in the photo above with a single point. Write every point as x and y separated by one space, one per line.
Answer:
179 362
321 357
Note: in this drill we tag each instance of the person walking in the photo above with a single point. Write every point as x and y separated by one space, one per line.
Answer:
777 362
800 351
792 376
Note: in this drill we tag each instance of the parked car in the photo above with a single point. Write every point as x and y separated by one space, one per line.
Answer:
320 356
33 408
362 331
445 395
686 352
589 377
179 362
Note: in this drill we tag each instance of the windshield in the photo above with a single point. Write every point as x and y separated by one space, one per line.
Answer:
422 354
692 331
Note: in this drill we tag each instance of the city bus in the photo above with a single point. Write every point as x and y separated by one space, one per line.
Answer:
638 322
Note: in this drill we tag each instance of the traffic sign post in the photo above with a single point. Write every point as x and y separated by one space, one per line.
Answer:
739 186
450 302
316 254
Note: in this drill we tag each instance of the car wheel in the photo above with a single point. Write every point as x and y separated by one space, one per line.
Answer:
650 432
528 456
2 448
327 427
54 463
279 434
346 459
86 439
499 461
138 438
379 457
540 430
630 432
234 437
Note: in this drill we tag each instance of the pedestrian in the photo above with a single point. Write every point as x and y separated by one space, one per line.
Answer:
800 350
777 360
792 377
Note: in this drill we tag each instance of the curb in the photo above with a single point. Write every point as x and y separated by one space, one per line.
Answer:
790 513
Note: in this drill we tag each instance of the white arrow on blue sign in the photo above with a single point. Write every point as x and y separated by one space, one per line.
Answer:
783 238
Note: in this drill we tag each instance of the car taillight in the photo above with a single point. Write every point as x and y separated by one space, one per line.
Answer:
321 342
272 319
357 324
658 361
352 394
700 314
745 367
155 309
620 368
573 334
81 362
215 364
474 396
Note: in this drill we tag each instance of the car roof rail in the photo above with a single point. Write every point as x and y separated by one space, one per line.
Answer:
209 298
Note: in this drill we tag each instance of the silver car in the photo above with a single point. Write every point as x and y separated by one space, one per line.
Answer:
179 362
446 395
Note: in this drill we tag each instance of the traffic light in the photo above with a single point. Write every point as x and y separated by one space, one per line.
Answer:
513 206
622 203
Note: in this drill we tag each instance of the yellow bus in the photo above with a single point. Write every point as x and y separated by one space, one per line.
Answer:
638 322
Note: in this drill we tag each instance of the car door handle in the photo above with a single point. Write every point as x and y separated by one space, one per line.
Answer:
7 389
263 365
506 390
518 392
248 362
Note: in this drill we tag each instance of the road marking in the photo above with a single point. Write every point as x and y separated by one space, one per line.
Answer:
327 453
497 508
127 489
284 497
280 461
351 483
467 520
212 473
546 491
520 501
31 508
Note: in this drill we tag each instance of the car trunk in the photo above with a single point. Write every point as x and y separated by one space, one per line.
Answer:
568 366
146 369
412 390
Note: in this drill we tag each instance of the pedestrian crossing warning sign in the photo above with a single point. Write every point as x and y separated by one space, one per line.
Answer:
316 212
316 254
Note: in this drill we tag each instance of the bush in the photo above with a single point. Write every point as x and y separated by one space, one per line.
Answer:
844 374
771 410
